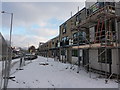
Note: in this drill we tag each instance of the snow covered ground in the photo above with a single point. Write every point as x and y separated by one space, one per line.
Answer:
14 62
41 73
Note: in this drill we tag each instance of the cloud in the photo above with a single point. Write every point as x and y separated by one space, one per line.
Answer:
45 0
40 20
26 41
33 37
44 32
29 13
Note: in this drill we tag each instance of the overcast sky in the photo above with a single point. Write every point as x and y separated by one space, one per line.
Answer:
35 22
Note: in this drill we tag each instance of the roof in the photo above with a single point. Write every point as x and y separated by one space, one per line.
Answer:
74 15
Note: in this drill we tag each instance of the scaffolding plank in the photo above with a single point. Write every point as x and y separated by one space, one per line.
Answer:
98 45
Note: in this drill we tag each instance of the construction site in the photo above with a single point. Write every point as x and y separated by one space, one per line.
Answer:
89 39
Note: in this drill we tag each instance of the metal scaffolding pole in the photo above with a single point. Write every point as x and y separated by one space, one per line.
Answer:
79 58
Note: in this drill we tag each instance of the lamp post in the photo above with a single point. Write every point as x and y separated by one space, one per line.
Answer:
7 68
10 25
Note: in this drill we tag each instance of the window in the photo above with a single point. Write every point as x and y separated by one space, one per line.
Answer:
65 41
78 19
75 53
64 28
75 39
74 35
53 42
102 56
82 37
56 44
82 34
63 52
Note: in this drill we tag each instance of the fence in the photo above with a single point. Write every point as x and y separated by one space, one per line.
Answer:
4 62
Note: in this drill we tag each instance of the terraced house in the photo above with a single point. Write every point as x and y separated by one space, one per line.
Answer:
50 48
69 37
91 39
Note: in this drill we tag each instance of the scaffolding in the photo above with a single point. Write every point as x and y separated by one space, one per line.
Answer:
105 37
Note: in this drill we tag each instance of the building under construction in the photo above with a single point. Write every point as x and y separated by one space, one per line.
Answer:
91 39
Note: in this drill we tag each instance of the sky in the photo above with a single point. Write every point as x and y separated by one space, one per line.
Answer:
35 22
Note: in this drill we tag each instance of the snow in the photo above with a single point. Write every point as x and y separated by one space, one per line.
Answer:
14 62
43 73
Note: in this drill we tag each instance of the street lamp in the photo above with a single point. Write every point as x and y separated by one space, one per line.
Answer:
7 68
10 24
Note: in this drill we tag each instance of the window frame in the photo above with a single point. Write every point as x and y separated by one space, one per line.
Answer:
102 59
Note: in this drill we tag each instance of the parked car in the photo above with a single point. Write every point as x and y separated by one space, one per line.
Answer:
15 56
30 57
